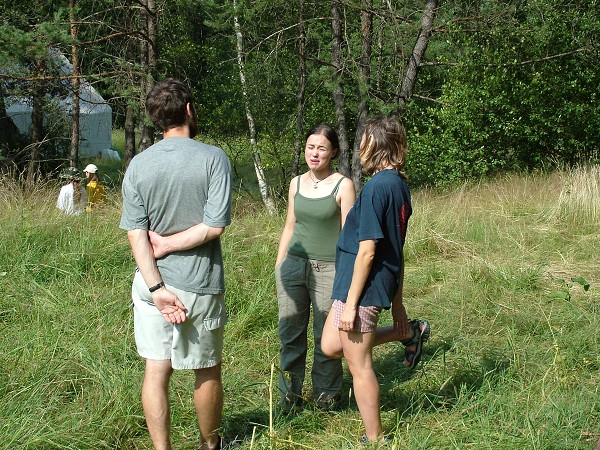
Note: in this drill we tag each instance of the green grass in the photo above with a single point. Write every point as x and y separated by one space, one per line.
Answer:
510 364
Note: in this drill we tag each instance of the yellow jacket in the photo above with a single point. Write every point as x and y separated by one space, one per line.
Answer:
95 194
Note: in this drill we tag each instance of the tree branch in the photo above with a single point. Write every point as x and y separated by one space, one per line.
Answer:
519 63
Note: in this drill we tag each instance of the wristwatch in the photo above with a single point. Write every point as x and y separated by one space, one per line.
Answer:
156 287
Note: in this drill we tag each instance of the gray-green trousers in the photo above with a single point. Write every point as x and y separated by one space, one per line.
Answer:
301 283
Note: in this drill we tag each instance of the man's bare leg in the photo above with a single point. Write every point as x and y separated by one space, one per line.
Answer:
155 400
208 401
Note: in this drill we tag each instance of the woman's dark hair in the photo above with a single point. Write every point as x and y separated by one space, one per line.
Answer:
167 104
330 134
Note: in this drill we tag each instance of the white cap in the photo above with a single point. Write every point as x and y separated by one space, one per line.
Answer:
91 168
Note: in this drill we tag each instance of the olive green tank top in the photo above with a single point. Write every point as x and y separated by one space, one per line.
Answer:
318 225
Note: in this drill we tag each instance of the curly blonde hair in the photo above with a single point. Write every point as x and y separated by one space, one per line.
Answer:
383 144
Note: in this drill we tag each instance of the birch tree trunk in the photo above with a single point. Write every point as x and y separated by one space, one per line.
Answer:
260 173
75 123
416 58
299 143
338 90
366 29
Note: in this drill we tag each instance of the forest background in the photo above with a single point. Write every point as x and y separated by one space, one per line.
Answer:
500 102
483 87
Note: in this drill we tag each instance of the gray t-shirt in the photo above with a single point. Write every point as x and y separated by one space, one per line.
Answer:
171 186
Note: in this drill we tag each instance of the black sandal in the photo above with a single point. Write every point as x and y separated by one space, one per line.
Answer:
419 338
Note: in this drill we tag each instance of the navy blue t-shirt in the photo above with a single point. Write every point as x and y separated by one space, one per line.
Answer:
381 214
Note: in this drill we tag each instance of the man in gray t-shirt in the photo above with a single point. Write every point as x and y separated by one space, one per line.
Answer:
176 205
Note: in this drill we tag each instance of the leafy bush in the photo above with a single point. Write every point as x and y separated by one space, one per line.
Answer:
524 96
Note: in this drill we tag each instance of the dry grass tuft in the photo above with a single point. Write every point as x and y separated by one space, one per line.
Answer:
579 199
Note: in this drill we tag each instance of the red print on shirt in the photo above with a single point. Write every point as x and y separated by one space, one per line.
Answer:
403 216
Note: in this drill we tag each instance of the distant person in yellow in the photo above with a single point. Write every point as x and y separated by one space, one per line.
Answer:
94 187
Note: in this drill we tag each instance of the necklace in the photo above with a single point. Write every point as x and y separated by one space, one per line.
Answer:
316 182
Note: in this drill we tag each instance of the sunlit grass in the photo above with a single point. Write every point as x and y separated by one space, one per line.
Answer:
508 365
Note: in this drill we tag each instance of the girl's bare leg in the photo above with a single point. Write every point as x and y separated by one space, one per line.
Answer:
330 340
357 348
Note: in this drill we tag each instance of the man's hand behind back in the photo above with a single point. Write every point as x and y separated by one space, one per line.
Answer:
169 305
158 243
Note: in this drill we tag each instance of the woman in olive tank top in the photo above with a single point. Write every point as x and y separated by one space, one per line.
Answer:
318 202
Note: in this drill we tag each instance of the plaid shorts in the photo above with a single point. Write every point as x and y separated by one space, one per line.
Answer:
366 319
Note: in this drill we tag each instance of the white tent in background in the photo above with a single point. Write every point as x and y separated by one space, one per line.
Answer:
95 115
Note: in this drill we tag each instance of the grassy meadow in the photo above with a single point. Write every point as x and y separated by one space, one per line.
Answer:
499 268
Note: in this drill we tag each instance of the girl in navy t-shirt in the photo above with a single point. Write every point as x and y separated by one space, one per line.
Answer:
370 270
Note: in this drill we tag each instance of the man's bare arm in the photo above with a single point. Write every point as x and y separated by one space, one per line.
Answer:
165 301
184 240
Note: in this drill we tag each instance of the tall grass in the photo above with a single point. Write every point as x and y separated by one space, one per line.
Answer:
579 198
509 365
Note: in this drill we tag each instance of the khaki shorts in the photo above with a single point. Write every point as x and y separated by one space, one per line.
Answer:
196 343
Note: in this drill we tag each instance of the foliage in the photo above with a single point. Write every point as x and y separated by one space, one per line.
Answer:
521 97
506 367
565 292
25 43
507 86
202 52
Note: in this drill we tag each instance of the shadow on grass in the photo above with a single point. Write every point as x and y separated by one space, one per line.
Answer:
458 382
397 391
243 425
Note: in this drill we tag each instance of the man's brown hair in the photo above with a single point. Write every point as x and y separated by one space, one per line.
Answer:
167 104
